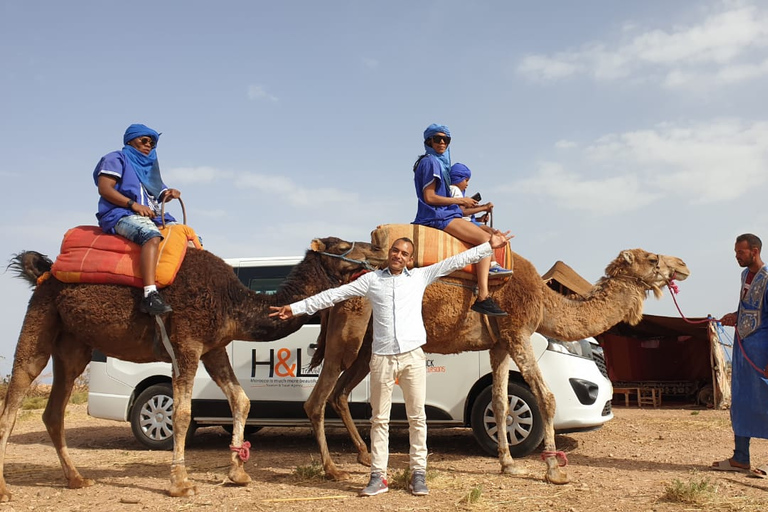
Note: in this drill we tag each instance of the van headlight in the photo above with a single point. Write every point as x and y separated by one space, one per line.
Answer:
580 348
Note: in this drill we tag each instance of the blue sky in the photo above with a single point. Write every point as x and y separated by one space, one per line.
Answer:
592 126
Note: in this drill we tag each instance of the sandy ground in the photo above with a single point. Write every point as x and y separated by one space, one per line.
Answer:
643 460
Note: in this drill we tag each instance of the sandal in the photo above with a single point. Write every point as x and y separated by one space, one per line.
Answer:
726 465
759 472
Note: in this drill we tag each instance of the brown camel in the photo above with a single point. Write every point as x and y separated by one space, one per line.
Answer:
210 309
453 328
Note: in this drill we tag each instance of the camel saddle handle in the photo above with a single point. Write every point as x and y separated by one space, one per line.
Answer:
183 211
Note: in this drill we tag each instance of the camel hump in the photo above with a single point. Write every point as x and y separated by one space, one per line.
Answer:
30 265
431 244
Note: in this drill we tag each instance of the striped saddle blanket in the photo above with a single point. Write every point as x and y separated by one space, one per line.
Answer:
88 255
433 245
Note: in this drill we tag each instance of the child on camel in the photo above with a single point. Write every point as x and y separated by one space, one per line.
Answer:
437 209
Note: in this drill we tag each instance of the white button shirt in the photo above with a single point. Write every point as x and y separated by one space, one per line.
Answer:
398 326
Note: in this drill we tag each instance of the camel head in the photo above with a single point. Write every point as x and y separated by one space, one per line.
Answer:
345 260
652 270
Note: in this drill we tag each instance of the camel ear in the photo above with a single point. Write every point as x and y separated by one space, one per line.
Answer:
628 256
317 245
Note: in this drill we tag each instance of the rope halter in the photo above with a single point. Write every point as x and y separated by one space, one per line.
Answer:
343 257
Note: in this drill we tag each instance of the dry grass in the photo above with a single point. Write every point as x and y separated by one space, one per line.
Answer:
39 392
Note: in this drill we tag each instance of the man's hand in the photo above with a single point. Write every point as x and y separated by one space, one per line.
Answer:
729 320
281 312
499 239
171 193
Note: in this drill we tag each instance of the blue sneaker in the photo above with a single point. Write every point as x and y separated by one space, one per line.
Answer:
376 485
498 270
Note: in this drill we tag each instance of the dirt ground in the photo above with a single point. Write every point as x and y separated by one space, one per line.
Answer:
643 460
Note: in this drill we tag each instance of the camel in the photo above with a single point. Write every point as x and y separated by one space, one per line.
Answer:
210 309
345 339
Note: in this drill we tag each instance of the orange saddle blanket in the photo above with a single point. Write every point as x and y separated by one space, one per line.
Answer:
433 245
88 255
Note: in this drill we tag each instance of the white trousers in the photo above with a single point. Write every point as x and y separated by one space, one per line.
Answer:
410 372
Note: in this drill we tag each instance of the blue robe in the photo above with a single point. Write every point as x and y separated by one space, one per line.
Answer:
749 389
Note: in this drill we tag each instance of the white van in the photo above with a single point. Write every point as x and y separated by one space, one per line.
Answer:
276 377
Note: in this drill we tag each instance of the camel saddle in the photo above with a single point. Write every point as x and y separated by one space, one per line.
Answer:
88 255
433 245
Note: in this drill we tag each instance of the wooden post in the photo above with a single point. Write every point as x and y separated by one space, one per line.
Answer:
721 382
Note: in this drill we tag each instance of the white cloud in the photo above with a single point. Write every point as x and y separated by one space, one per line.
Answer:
565 144
195 175
258 92
294 194
726 47
697 163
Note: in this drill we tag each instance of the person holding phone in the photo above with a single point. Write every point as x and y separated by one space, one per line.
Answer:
437 209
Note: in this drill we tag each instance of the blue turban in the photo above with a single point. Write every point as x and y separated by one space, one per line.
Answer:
459 172
139 130
445 158
436 128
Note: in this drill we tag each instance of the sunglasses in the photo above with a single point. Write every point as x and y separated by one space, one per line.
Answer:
437 139
147 141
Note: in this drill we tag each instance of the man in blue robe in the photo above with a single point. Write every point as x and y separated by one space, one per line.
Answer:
749 377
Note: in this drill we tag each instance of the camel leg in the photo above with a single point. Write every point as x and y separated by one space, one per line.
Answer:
500 399
339 399
32 353
219 368
69 361
188 360
522 354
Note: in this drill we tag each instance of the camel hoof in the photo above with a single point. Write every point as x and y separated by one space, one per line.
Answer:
239 477
364 459
79 483
182 490
513 470
336 475
556 476
5 497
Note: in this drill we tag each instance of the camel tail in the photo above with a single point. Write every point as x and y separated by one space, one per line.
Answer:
30 265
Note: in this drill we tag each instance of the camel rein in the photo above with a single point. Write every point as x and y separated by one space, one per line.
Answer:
343 257
673 290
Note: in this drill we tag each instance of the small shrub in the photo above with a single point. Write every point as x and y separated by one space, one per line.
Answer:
692 492
34 402
401 479
472 496
313 470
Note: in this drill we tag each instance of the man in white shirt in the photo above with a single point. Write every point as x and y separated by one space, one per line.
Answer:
395 294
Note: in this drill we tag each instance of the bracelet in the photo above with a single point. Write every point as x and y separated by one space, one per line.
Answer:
130 203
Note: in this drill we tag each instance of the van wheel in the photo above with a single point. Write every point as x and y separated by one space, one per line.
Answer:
523 426
247 431
152 418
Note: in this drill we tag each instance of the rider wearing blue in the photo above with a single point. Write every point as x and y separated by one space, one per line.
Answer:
131 191
437 209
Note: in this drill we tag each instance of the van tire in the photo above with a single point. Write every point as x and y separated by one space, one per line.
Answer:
152 418
525 430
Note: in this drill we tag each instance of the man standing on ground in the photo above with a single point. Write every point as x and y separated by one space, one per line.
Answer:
398 334
749 385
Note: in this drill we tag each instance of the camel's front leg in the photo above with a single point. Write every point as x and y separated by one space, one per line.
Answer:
69 361
339 399
500 398
182 415
522 354
219 368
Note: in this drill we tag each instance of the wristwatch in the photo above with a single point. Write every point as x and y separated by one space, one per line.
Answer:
130 203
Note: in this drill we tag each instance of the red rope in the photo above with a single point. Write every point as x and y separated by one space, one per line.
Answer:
244 452
562 460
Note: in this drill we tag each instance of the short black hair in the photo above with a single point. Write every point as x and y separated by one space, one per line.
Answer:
405 239
752 241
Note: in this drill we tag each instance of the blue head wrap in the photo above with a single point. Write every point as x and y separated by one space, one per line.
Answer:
459 172
146 166
445 158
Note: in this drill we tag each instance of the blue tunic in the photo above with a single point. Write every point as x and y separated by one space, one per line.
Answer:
749 389
118 167
429 170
